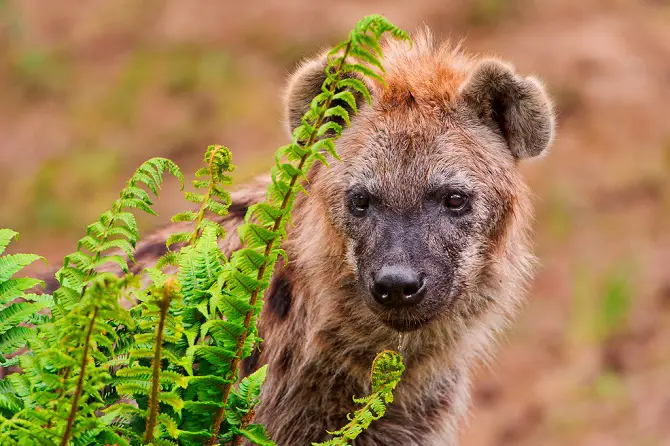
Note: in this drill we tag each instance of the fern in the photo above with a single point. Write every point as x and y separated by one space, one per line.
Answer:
59 361
157 327
209 179
17 307
63 407
200 264
241 406
387 368
85 328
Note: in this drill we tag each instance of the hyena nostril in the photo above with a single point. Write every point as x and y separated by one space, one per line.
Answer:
381 290
409 290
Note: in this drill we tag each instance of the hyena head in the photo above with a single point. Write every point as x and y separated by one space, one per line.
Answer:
424 222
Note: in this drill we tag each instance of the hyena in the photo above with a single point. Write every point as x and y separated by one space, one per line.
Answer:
418 240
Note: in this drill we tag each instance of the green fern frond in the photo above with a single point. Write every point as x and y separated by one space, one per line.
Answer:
116 230
213 198
240 411
64 371
84 330
151 385
387 368
17 308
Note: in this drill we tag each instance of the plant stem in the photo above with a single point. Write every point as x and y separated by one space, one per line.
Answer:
208 195
80 381
221 413
164 306
237 439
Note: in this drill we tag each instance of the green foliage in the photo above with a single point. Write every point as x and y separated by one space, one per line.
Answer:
387 368
210 180
59 388
166 370
17 307
602 304
158 330
615 304
240 411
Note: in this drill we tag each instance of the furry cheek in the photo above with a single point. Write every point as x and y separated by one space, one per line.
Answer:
350 257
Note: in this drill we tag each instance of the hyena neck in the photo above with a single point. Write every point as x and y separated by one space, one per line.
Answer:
320 358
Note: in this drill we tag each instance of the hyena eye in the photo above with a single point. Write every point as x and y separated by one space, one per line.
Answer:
455 201
359 202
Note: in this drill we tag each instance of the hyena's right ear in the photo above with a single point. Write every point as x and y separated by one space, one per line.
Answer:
303 85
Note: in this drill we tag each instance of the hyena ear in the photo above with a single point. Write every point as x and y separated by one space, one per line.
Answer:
517 107
303 85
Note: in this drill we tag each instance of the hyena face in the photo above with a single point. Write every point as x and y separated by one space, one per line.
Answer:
418 218
428 201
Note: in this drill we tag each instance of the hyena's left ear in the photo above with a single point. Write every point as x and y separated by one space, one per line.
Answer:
303 85
517 107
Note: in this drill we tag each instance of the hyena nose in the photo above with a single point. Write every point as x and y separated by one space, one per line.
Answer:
396 286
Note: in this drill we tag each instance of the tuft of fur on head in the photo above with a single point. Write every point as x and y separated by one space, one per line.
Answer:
427 80
424 74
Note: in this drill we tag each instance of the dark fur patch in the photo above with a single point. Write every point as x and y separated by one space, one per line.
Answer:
151 250
279 297
237 210
250 364
50 283
286 360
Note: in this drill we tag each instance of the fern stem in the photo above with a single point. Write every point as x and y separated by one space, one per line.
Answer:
61 392
98 252
248 418
221 413
208 196
80 382
156 362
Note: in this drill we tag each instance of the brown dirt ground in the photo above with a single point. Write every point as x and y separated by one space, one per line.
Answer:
89 89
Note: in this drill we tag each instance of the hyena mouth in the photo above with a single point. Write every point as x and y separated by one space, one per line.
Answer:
405 322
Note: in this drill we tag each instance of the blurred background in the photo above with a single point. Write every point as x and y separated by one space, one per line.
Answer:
89 89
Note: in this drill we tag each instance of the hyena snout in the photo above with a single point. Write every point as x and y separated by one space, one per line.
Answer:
397 286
